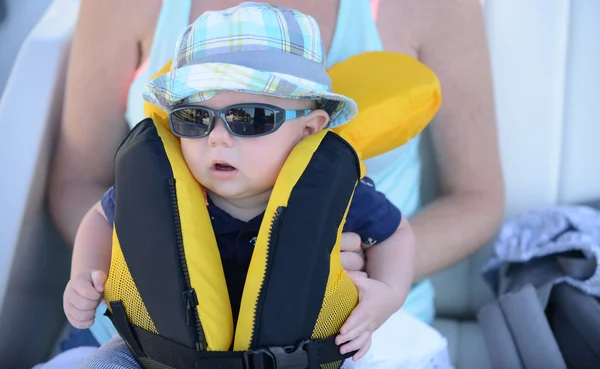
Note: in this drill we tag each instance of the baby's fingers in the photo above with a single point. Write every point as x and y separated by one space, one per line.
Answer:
80 302
352 333
364 349
360 344
98 280
79 324
80 315
86 289
354 275
356 323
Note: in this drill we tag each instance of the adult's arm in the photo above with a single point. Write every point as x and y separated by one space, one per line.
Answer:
103 60
450 38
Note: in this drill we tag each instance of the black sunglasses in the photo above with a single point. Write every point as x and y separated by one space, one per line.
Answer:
242 120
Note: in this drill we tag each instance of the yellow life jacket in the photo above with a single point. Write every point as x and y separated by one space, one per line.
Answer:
166 289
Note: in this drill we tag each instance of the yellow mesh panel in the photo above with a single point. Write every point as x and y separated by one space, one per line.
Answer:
341 296
335 365
121 287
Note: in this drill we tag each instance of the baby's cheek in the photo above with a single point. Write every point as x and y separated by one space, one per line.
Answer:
266 155
266 166
194 160
267 171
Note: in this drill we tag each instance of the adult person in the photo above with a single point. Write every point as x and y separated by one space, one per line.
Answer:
118 45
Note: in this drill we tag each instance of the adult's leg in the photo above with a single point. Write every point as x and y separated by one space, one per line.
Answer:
112 355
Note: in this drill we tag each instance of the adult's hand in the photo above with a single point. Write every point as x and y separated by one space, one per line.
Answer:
353 256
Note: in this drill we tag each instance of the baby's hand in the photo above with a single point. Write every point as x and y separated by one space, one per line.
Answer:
377 302
82 296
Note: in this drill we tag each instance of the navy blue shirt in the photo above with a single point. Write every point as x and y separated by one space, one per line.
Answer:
371 215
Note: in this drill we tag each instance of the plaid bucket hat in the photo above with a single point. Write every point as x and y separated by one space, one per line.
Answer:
255 48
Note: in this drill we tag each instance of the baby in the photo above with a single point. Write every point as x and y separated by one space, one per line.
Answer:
247 84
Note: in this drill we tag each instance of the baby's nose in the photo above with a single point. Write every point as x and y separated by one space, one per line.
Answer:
220 134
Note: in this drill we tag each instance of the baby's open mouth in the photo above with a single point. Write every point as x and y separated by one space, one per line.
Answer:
224 167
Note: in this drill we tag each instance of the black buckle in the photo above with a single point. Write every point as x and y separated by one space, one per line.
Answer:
288 357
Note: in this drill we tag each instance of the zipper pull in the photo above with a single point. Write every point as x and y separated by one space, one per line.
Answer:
191 301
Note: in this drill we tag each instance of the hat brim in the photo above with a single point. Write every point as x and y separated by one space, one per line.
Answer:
200 82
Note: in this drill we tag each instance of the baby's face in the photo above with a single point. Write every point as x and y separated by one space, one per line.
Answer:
235 167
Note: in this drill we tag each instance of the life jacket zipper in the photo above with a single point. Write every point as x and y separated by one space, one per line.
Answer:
189 295
191 300
272 237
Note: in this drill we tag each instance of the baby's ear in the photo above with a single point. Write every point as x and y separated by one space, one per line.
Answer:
315 121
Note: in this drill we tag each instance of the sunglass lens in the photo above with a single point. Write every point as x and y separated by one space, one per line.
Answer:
190 122
251 121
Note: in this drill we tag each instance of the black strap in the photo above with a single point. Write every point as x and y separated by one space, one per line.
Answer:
308 354
119 316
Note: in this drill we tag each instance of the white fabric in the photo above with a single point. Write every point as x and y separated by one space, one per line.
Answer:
404 342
